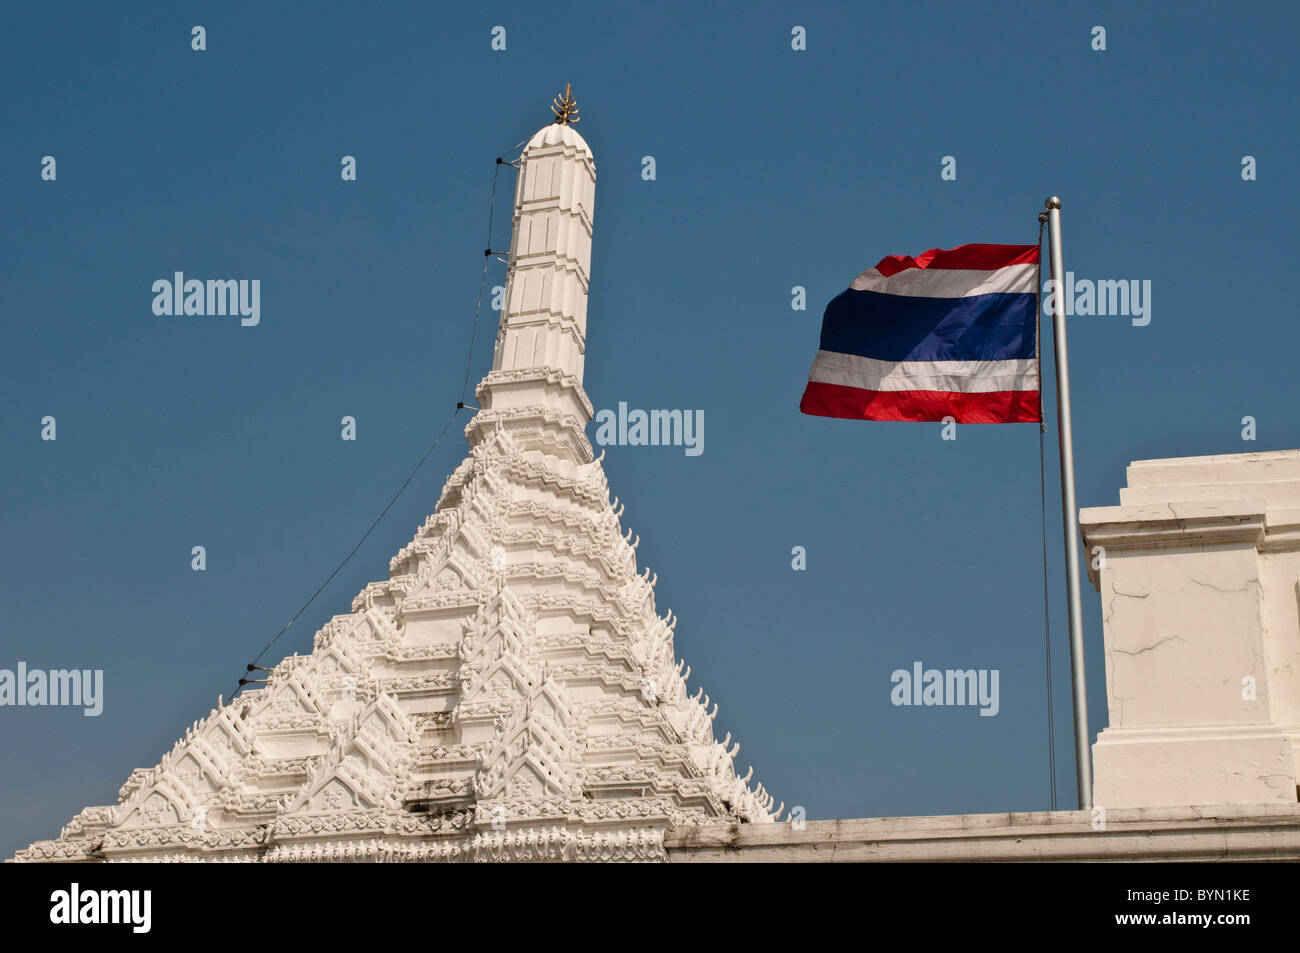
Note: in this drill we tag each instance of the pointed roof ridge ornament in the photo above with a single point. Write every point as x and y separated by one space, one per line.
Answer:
565 108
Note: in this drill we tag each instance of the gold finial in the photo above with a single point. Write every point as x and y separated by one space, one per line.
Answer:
565 108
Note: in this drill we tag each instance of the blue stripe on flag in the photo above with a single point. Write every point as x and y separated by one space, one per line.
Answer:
992 327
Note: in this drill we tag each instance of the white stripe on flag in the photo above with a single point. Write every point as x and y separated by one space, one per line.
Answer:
967 377
950 282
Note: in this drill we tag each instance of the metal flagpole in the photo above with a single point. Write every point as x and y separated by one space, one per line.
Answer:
1070 510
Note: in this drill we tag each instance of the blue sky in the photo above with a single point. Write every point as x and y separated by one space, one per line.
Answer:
774 168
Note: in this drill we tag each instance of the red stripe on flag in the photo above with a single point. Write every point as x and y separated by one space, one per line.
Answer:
994 407
968 257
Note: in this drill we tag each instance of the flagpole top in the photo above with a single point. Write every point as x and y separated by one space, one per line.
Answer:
1053 202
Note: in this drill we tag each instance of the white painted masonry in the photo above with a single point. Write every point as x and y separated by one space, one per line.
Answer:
1199 588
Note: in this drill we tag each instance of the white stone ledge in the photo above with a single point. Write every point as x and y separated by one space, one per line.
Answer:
1210 833
1175 512
1219 469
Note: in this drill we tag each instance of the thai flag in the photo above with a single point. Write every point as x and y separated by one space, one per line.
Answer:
945 334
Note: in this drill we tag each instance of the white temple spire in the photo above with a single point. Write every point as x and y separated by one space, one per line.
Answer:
510 691
540 348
